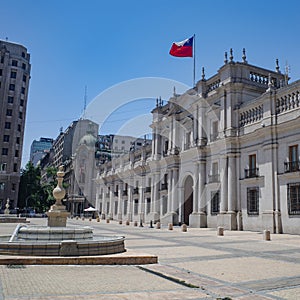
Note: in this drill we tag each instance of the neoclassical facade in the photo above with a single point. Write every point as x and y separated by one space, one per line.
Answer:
224 153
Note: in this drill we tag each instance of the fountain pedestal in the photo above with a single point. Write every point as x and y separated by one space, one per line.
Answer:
57 215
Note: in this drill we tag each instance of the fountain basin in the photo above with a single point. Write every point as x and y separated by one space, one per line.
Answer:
60 241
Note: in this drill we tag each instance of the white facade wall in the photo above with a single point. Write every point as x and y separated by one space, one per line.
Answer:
198 169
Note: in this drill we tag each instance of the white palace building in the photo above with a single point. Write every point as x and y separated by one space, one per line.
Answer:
224 153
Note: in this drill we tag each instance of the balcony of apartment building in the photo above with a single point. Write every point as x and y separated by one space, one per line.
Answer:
251 172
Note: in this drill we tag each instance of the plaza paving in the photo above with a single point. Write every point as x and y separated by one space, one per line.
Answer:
196 264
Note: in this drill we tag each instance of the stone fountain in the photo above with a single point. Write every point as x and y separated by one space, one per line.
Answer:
58 239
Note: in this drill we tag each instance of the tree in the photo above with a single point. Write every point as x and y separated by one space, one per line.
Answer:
33 194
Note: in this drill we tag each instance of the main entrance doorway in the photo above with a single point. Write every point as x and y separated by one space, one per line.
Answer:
188 199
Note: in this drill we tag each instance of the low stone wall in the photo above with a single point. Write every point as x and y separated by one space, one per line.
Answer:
64 248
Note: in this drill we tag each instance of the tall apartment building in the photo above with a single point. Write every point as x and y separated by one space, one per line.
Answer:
39 149
14 83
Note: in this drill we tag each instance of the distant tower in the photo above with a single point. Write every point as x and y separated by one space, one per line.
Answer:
14 83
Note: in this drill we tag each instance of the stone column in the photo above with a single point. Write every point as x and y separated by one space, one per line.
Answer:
154 214
222 219
224 186
111 202
120 202
142 199
170 136
232 189
195 189
130 204
170 179
174 204
195 126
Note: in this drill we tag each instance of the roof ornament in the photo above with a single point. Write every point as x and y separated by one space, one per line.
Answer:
231 55
225 58
203 74
277 66
244 56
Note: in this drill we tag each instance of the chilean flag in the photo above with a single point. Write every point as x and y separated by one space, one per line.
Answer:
183 49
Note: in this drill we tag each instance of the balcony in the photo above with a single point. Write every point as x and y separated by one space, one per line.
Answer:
116 194
251 173
125 193
148 189
292 166
213 178
135 191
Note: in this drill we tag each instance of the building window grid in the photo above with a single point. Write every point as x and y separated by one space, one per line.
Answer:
215 203
293 198
253 201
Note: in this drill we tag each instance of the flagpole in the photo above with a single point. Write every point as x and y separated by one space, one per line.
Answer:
194 73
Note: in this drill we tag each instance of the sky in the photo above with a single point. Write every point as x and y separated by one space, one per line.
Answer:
102 44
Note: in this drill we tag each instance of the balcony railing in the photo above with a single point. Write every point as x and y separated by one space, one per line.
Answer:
148 189
125 193
250 173
135 191
213 178
292 166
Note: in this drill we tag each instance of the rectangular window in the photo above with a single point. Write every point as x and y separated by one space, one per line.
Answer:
253 201
7 125
11 87
22 102
10 99
20 115
17 153
9 112
13 74
24 66
6 138
136 206
23 90
13 187
215 131
24 78
214 177
215 203
4 151
252 171
116 207
2 186
14 63
0 72
125 207
148 207
293 158
19 127
18 140
294 198
15 168
3 167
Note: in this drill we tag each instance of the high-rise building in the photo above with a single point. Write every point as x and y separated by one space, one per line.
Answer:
14 83
39 149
